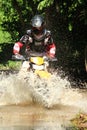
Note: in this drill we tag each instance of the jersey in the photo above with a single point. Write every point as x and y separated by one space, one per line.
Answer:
37 43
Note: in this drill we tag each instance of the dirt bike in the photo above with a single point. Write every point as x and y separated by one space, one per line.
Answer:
39 63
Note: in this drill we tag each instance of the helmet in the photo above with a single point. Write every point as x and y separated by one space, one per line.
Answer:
37 23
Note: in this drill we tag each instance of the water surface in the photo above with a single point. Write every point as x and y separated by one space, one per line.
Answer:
28 103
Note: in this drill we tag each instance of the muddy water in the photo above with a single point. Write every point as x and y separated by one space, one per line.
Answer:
28 103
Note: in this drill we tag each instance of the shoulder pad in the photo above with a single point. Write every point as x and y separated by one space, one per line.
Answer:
48 32
28 32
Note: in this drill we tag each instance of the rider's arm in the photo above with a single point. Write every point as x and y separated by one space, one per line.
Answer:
17 46
51 50
50 45
25 39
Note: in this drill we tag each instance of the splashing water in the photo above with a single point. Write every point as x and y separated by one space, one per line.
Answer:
15 89
47 91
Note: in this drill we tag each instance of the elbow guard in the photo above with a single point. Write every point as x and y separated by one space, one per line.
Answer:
52 50
17 47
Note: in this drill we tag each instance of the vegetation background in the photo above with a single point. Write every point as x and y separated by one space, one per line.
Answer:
67 21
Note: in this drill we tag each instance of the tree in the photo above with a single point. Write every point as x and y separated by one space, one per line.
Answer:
66 18
86 58
16 14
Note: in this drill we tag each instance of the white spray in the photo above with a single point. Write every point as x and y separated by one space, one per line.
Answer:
15 89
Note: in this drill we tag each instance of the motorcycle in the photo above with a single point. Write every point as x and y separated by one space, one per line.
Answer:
38 63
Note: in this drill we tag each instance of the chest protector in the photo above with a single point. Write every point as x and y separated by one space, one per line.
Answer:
38 41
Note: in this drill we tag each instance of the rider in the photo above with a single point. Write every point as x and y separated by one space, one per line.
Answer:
37 39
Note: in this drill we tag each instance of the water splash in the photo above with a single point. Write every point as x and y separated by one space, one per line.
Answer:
25 88
13 90
47 91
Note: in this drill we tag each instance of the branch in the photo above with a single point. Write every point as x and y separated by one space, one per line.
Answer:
19 11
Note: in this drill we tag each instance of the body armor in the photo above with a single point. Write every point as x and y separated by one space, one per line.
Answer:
35 42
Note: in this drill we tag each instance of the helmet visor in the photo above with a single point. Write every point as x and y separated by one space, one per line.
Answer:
37 30
36 23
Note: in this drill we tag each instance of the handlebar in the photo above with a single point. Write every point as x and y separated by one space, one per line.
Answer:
36 54
18 57
42 55
22 58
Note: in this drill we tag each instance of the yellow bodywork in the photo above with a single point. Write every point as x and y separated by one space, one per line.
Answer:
37 60
43 74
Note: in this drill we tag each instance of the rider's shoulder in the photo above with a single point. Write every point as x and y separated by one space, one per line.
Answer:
28 32
47 32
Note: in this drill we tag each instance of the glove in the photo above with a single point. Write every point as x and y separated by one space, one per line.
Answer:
18 57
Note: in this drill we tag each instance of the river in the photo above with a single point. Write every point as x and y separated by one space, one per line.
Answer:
29 103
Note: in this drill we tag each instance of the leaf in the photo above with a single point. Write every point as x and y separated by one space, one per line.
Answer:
70 27
44 3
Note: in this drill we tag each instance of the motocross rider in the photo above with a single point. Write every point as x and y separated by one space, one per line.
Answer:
37 39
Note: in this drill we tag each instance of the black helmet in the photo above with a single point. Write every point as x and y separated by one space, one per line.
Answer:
37 23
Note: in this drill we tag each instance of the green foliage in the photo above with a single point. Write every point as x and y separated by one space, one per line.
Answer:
4 36
70 27
83 15
44 4
14 65
15 15
67 19
73 11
